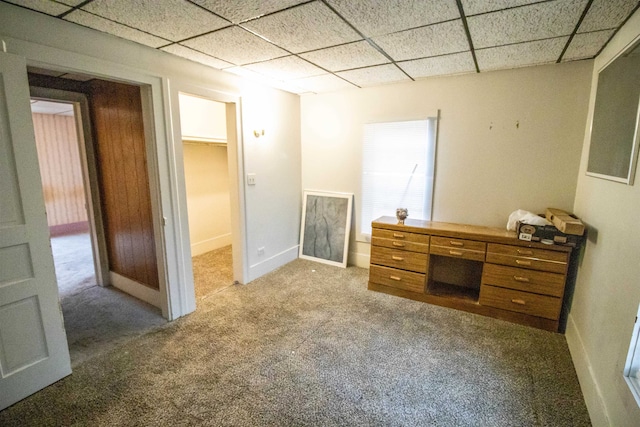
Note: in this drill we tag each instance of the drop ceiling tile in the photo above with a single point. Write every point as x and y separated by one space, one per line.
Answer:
375 17
264 80
606 14
347 56
521 54
527 23
70 2
473 7
236 46
44 6
433 40
196 56
372 76
287 68
97 23
238 11
323 83
458 63
586 45
307 27
77 77
171 19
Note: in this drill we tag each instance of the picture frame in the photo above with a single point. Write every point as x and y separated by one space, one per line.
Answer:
325 227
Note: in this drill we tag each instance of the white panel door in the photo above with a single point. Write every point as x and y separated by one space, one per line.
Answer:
33 344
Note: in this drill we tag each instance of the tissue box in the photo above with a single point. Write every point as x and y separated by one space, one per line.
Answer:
546 234
565 222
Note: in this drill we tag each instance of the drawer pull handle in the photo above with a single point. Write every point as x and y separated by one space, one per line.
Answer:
396 278
524 252
398 244
521 279
456 253
522 262
518 301
397 258
454 243
398 235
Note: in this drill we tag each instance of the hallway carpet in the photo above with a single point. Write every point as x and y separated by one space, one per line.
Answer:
309 345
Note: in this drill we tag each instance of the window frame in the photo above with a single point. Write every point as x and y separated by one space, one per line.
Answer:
633 361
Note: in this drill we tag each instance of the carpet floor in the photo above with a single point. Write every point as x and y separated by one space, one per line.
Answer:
308 344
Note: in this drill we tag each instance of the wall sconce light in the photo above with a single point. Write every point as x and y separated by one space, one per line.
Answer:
258 133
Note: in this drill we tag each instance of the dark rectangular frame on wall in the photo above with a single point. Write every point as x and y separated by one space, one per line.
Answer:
615 127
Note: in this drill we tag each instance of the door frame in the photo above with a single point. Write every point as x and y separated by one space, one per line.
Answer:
89 173
235 161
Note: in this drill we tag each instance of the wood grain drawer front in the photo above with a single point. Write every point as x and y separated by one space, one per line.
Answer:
400 279
521 302
401 245
458 248
399 259
539 282
533 258
401 236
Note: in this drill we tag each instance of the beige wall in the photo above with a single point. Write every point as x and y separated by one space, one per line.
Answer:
202 118
507 140
60 168
607 291
207 181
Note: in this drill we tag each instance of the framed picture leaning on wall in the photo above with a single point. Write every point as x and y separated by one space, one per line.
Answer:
326 224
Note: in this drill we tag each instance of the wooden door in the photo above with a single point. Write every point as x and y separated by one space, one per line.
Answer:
33 344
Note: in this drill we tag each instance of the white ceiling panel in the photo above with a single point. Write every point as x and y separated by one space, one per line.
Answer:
44 6
171 19
236 46
323 83
527 23
71 2
347 56
307 27
241 10
586 45
53 108
521 54
438 39
264 80
196 56
375 17
106 26
287 68
372 76
458 63
606 14
473 7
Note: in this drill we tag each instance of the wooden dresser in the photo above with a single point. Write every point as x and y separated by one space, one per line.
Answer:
482 270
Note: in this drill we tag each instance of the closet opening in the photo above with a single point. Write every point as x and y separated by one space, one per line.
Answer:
203 125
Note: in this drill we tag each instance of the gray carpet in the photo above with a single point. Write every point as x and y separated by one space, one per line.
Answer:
96 318
309 345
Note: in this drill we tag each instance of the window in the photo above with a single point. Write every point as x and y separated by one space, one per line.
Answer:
397 170
632 367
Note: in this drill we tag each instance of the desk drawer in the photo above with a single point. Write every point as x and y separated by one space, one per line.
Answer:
521 302
399 259
538 282
400 236
522 252
400 279
400 245
470 245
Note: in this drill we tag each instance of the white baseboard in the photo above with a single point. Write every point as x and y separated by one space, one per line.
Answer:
211 244
359 259
270 264
136 289
588 383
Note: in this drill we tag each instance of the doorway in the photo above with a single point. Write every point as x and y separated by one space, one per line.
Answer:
96 316
203 124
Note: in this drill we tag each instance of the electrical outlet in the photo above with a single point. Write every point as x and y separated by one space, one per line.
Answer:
261 250
251 179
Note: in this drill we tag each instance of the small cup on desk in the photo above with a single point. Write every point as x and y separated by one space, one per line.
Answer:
402 214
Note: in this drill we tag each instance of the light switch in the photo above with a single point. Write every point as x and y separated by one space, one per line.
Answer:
251 179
